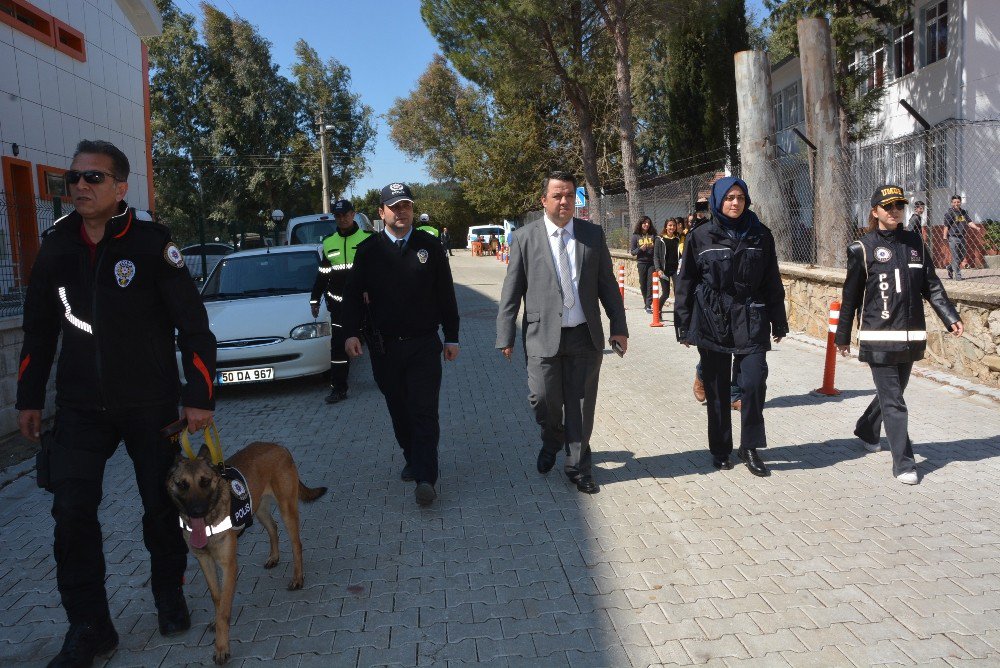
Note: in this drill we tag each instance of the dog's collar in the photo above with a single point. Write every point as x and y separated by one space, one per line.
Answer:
224 525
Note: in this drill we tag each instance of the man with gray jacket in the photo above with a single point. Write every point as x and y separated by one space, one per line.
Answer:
561 268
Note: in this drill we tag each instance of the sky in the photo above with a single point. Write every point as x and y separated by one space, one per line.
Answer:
384 43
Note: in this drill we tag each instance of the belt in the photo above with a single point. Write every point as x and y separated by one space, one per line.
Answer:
582 324
409 338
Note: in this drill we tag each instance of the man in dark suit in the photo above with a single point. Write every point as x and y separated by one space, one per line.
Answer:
402 277
560 267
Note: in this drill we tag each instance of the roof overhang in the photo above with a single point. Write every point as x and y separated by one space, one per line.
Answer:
143 16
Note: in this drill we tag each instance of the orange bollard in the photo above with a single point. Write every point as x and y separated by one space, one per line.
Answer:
621 281
656 301
830 367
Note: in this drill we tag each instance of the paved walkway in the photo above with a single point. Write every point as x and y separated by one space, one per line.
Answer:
828 562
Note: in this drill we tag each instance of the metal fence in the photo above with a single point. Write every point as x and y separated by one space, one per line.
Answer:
951 158
22 221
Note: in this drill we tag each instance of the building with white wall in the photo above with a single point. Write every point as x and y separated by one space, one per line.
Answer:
944 61
69 70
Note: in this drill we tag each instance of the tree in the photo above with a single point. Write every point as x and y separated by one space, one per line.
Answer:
854 25
324 91
436 117
516 43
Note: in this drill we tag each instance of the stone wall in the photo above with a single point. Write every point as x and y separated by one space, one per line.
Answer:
810 290
11 337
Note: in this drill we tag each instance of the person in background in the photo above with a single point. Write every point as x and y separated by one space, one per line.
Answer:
889 274
730 303
446 240
641 246
665 257
425 225
957 223
915 223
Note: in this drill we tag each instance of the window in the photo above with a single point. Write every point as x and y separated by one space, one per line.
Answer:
902 49
779 114
876 71
936 32
787 105
70 41
24 16
904 165
939 166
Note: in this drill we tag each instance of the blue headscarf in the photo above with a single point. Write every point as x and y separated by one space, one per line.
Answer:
732 226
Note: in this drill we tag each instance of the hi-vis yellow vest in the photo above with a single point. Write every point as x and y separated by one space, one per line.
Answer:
340 250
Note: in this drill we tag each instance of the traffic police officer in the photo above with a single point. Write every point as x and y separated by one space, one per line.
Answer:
116 288
889 272
402 280
425 225
339 249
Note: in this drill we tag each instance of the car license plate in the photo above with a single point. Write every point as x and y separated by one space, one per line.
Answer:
245 375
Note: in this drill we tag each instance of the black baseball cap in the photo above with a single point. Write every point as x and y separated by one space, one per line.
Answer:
887 194
396 192
342 206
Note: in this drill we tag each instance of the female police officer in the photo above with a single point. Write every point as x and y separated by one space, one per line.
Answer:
729 302
889 270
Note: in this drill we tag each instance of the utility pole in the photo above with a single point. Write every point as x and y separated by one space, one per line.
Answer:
322 159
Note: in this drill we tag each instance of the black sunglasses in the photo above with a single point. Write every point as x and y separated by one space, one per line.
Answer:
91 176
898 206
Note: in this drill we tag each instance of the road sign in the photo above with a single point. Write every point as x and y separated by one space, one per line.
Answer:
581 197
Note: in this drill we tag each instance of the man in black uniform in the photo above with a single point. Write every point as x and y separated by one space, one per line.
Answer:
116 288
338 258
446 241
402 278
956 222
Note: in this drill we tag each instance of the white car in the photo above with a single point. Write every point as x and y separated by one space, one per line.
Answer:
258 309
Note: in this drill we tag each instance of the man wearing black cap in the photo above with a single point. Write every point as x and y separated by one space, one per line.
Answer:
402 279
339 249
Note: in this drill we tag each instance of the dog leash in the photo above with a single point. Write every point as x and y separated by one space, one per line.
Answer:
178 429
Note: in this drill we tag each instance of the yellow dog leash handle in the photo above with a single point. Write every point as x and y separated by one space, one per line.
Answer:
212 440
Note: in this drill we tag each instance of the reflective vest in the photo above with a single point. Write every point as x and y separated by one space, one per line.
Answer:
340 250
430 229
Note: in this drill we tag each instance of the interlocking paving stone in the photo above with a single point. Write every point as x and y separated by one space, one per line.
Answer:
828 562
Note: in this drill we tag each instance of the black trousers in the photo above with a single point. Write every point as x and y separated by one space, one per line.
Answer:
646 282
563 395
340 363
716 372
84 440
889 407
409 377
664 289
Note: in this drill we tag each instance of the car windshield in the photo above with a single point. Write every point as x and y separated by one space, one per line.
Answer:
314 232
486 231
261 275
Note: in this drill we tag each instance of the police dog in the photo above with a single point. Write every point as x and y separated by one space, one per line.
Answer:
203 498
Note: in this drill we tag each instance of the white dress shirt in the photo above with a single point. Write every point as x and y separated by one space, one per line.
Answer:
573 316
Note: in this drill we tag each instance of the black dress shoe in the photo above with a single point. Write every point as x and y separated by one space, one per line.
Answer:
722 463
336 396
425 494
753 461
546 460
172 612
573 475
84 643
406 475
586 484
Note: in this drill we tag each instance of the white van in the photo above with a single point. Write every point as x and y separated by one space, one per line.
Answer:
313 228
483 233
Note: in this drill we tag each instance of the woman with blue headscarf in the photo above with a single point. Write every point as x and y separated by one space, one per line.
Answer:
729 302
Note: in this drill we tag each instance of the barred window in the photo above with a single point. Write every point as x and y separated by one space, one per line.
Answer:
935 32
940 164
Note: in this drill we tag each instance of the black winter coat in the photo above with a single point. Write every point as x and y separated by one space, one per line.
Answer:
728 294
889 274
665 256
117 316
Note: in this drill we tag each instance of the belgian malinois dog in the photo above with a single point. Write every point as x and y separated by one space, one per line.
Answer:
204 497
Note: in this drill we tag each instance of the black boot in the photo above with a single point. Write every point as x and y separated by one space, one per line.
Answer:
336 396
172 611
84 643
753 461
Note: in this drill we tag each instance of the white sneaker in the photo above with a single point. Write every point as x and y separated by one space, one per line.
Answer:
908 478
871 447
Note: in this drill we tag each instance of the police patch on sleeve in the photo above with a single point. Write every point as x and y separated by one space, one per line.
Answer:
172 254
883 254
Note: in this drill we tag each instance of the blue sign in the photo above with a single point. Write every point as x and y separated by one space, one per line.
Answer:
581 197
